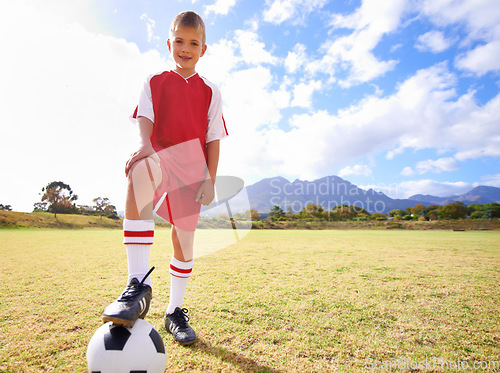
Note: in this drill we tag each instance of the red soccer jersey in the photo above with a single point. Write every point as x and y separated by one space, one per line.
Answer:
181 109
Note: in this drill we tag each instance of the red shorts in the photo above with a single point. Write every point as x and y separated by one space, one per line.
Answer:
183 169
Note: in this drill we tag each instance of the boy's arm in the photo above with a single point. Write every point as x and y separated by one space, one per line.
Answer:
145 148
205 194
213 149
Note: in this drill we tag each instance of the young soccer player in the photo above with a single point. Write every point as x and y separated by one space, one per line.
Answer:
173 172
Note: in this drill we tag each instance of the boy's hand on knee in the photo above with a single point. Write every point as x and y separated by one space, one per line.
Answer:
206 193
143 152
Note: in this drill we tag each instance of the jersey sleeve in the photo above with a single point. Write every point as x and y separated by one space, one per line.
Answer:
216 128
145 106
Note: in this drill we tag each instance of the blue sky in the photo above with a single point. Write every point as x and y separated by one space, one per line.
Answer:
401 96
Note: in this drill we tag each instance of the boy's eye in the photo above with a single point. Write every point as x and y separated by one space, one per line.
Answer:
178 41
194 44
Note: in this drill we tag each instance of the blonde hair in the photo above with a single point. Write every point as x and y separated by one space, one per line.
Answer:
189 19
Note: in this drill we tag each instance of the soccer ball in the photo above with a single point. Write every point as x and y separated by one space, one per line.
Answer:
117 349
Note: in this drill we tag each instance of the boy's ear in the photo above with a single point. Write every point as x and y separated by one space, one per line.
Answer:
203 50
169 45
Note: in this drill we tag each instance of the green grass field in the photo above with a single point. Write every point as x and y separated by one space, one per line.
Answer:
277 301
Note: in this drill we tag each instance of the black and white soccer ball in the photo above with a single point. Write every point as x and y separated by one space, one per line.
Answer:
117 349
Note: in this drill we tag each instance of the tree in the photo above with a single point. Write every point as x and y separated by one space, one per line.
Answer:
418 211
40 207
486 211
313 211
5 207
493 210
289 214
434 212
276 213
455 210
254 214
346 212
104 207
396 214
59 198
378 216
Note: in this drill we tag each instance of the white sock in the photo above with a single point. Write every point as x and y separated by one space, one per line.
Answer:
179 276
138 236
138 262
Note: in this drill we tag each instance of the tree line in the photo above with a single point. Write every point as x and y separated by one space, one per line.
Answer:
419 212
58 198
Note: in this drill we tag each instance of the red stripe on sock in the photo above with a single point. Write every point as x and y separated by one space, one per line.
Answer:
174 268
139 233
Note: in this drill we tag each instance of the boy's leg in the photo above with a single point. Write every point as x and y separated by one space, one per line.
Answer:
181 266
138 226
138 229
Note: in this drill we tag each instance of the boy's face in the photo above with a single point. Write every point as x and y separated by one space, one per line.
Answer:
186 46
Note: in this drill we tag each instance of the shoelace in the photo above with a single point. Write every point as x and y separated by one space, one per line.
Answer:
147 275
132 290
180 318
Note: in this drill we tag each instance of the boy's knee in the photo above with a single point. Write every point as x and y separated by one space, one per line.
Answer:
145 167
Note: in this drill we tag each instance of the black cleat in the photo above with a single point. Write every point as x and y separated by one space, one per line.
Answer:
177 324
131 305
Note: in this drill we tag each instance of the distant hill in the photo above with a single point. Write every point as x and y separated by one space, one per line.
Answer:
479 195
329 192
332 191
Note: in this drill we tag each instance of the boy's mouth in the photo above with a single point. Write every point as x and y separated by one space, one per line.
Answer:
184 58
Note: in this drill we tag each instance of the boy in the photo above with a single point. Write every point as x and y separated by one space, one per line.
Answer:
180 124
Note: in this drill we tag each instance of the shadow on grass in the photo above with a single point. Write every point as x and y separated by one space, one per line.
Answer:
243 363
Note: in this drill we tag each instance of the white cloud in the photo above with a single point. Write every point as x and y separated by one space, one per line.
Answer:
296 58
410 188
359 169
482 59
407 171
72 123
379 16
220 7
490 180
350 59
474 129
258 101
252 50
353 53
279 11
436 188
219 60
433 41
482 22
437 166
479 16
303 93
424 112
150 24
252 115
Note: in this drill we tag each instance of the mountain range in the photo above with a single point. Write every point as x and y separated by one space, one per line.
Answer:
332 191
